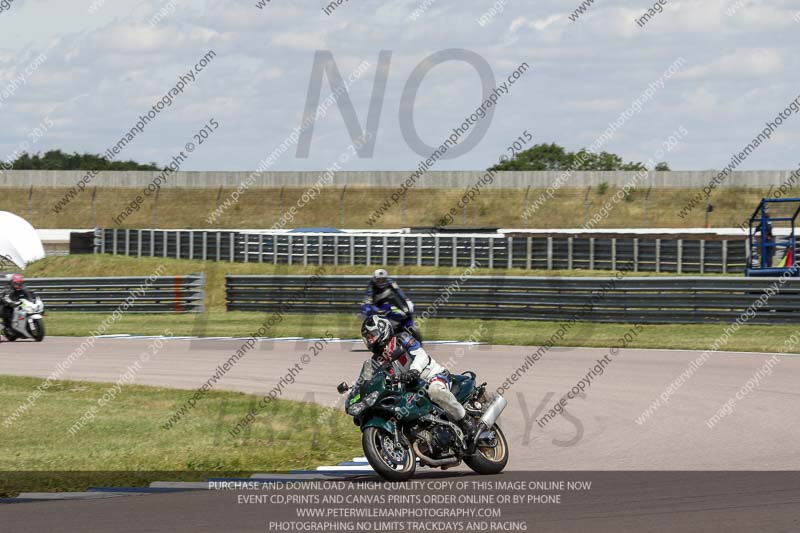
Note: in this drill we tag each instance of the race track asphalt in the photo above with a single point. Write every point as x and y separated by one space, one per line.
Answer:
599 433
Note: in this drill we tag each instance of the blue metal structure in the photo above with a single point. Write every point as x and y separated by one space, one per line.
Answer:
765 247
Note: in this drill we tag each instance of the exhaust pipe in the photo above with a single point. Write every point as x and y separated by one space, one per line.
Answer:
493 411
447 461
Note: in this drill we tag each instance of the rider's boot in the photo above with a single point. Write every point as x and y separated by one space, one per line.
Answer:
470 428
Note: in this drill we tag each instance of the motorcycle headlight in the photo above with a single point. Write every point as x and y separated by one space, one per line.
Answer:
356 409
371 398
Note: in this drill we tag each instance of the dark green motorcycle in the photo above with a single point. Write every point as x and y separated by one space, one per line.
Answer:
400 424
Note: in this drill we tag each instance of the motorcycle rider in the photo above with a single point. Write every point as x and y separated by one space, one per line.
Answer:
383 289
10 297
410 362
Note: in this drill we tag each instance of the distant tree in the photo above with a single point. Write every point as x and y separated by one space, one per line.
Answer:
539 157
554 157
58 160
662 166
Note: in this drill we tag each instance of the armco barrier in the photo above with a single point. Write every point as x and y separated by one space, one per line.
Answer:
165 294
606 299
451 250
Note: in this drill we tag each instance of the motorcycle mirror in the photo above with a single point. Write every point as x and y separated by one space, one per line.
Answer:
343 387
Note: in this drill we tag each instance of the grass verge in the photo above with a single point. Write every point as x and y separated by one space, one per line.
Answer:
126 445
509 332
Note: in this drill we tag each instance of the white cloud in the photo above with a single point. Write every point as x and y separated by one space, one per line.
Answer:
608 104
700 100
740 63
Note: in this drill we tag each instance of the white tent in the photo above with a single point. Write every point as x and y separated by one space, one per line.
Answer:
19 242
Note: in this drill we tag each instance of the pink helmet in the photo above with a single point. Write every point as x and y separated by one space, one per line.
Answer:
17 280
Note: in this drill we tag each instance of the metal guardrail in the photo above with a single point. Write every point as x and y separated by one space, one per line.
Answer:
165 294
643 300
176 244
491 251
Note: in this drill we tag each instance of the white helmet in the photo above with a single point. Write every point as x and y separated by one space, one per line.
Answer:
376 332
379 277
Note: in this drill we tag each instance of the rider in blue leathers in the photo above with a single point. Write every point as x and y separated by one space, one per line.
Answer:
385 298
382 290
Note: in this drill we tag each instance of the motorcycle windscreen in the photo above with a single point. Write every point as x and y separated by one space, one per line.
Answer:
367 371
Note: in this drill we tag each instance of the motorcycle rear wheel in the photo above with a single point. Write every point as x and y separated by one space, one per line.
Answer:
490 460
390 463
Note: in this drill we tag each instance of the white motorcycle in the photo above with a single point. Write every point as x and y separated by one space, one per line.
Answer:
27 321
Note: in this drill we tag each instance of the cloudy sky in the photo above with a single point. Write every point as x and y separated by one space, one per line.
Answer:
109 61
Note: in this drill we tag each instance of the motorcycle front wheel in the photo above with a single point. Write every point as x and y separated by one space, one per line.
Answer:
490 460
37 331
390 462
